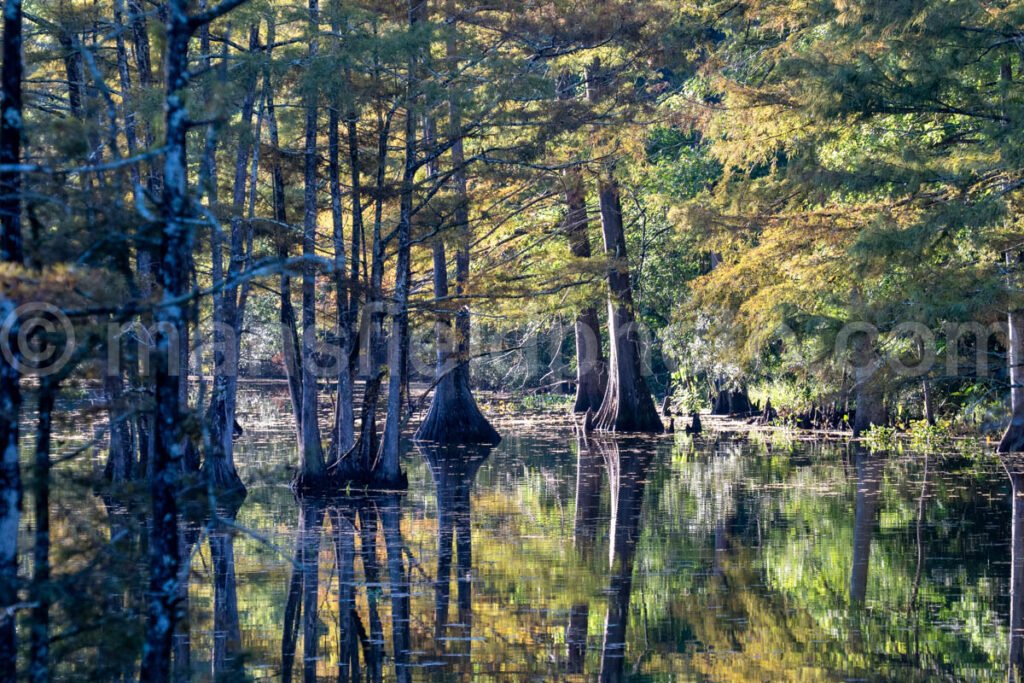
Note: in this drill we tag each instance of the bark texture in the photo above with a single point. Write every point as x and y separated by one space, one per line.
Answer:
627 405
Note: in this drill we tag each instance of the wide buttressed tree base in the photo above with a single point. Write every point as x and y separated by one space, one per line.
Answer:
454 417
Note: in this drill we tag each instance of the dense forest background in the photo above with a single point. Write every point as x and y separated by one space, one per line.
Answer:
794 211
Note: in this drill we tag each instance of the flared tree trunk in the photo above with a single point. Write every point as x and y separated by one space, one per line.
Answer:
627 405
389 472
219 465
454 416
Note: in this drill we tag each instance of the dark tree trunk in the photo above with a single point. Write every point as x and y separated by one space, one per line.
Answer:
591 369
343 433
289 334
627 405
867 388
219 465
10 389
175 246
313 468
10 393
389 473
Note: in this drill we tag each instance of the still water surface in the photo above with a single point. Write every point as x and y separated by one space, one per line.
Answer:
725 557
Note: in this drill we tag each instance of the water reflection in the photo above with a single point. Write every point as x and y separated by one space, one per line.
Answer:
453 470
560 555
1015 469
869 482
627 476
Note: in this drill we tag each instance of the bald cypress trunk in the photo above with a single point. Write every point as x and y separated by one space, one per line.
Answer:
627 405
867 388
343 433
313 468
10 388
290 348
591 368
389 473
219 465
454 416
175 246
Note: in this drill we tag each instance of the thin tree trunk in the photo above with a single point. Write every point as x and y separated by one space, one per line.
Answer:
313 467
10 390
219 464
389 473
867 389
343 433
291 350
591 369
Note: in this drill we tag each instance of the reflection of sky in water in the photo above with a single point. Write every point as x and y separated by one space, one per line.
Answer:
713 558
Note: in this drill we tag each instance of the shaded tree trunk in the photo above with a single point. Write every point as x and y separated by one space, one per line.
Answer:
343 433
867 388
10 388
313 468
219 465
389 472
175 246
291 350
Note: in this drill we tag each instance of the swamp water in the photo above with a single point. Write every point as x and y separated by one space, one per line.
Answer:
726 557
